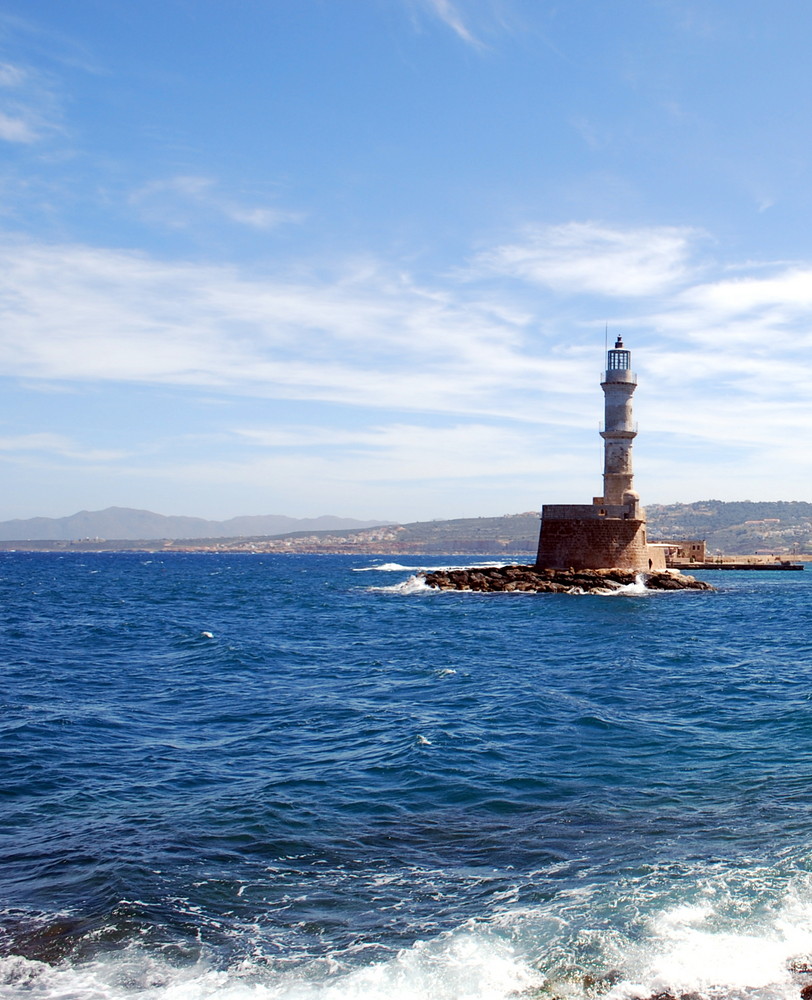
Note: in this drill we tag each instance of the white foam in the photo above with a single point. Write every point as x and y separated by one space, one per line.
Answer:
690 958
391 567
636 589
736 935
470 963
394 567
414 585
724 934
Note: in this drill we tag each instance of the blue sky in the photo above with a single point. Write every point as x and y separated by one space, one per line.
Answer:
358 256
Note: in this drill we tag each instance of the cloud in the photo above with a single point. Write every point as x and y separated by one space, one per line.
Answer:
493 387
56 445
586 257
17 129
182 201
788 290
33 442
448 13
406 452
365 336
27 105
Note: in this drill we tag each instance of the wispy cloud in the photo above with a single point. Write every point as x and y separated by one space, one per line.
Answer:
409 452
367 336
17 129
180 201
593 258
28 110
724 355
450 15
55 445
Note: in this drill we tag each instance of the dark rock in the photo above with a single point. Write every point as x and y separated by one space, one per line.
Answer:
603 982
806 992
510 579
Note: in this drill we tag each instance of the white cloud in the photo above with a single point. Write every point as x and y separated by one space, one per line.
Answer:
495 390
411 452
788 290
56 445
33 442
12 76
450 15
365 337
17 129
27 105
591 258
182 201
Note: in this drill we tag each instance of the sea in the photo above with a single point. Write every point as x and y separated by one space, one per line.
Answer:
308 777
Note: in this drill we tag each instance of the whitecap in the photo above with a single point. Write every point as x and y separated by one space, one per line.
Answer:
391 567
414 585
471 962
636 589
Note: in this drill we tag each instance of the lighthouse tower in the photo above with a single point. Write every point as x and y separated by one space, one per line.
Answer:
619 383
610 532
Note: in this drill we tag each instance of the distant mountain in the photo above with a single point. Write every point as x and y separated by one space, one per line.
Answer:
734 528
126 524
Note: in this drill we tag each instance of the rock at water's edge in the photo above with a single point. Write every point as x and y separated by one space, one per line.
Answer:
494 579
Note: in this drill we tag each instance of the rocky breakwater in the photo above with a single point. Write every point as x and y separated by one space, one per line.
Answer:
498 579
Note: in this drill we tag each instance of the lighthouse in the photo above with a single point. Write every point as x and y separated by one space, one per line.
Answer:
609 533
619 383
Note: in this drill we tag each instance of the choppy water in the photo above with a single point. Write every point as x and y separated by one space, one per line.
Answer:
278 776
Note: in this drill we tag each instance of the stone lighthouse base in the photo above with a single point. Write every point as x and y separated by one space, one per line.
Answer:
596 536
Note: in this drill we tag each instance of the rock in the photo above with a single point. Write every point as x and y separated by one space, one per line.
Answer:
603 982
512 579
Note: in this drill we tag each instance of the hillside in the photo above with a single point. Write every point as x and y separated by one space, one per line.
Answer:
736 528
733 528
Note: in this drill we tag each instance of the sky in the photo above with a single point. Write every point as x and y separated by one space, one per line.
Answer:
360 257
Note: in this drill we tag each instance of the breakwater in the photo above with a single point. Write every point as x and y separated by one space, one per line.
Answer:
529 579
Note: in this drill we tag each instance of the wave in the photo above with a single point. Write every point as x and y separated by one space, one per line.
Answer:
391 567
414 585
745 935
397 567
636 589
469 963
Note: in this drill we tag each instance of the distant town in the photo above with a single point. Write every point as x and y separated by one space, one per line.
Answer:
762 531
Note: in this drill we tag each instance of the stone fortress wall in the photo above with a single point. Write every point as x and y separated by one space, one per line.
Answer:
596 542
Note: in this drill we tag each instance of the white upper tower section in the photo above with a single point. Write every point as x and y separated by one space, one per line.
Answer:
619 383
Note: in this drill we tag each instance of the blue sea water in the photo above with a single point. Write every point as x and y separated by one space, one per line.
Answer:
305 777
